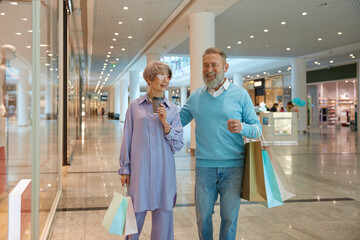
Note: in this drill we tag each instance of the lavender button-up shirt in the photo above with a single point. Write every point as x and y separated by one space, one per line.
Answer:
147 154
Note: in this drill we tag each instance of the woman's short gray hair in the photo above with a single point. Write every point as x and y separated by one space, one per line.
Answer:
156 67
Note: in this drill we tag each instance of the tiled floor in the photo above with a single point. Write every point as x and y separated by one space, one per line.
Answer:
324 169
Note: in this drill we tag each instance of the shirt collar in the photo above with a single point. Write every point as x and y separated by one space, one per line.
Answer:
225 85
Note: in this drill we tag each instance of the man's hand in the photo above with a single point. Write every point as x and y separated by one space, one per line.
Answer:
125 179
234 125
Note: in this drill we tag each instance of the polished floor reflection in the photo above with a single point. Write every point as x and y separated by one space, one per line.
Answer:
324 169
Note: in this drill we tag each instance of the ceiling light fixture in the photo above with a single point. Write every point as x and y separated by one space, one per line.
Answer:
331 61
140 19
117 59
116 34
125 8
28 46
320 39
111 46
283 23
266 30
279 71
129 37
304 13
228 47
109 52
339 33
19 34
288 49
239 42
24 19
114 39
120 23
108 56
123 49
29 31
2 14
252 36
14 3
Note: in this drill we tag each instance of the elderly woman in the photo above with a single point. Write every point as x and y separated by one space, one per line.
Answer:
147 163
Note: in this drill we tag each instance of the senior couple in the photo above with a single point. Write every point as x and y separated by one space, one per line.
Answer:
223 114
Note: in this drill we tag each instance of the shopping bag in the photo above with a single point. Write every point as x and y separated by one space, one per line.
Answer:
114 219
253 186
130 223
120 217
273 195
286 189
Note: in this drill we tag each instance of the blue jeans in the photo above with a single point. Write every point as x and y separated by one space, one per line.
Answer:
209 183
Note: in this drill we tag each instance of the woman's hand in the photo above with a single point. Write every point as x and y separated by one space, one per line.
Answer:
162 114
125 179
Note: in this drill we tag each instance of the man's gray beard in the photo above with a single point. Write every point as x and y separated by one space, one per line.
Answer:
214 83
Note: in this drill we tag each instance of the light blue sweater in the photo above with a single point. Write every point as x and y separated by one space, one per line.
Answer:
216 146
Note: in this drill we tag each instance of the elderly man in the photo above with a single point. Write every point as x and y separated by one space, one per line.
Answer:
223 114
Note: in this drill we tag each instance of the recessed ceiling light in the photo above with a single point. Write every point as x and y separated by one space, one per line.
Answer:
106 60
140 19
30 31
264 72
50 54
28 46
123 49
283 23
288 49
304 13
229 47
19 34
266 30
117 59
120 22
279 71
108 74
316 62
129 37
24 19
14 3
258 75
116 34
125 8
353 57
239 42
109 52
105 64
251 36
111 46
351 54
100 77
108 56
111 70
331 61
339 33
47 64
320 39
2 14
114 39
43 45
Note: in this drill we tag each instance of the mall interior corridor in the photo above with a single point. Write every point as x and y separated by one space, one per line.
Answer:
322 167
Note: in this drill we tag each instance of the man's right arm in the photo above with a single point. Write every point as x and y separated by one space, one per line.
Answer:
185 113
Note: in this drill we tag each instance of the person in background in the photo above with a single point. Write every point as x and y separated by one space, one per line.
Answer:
282 109
223 113
147 163
274 107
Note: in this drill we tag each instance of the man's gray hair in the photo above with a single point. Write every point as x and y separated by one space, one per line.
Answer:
216 51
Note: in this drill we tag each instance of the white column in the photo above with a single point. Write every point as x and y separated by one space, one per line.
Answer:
298 82
134 85
152 57
202 36
50 98
117 100
111 100
167 94
23 99
238 79
123 98
183 95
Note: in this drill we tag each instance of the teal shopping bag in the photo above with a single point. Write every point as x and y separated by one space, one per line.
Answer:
118 223
273 195
117 210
